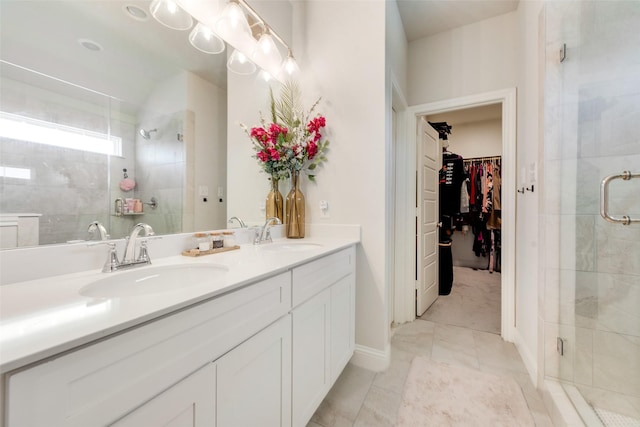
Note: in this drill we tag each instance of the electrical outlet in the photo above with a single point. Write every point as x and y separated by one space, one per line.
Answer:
262 206
324 209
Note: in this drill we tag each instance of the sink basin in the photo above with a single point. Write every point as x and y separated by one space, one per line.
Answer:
290 246
152 280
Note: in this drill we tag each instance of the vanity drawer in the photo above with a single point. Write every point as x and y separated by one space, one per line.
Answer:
312 278
98 384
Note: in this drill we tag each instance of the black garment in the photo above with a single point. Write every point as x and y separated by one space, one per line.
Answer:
451 178
445 269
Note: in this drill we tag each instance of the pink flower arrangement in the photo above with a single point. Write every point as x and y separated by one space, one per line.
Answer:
292 141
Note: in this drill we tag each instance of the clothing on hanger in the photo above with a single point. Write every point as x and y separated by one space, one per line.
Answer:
451 177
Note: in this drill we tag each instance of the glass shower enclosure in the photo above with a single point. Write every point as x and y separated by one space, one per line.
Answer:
591 172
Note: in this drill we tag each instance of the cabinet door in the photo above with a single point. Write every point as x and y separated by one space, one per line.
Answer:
342 324
189 403
310 356
254 380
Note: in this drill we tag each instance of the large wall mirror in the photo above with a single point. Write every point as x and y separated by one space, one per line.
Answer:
106 116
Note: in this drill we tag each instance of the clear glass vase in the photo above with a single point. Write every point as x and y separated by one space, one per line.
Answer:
295 209
275 201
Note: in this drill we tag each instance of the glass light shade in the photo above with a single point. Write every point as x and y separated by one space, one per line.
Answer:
290 68
240 64
205 40
266 53
265 76
169 14
233 27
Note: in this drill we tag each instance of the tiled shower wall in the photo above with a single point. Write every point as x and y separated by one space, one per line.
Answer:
68 187
592 267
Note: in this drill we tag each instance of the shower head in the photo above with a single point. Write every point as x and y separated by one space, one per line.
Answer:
146 134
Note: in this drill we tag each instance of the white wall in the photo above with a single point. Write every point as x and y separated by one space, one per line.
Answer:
351 79
397 48
528 283
476 139
209 103
475 58
351 82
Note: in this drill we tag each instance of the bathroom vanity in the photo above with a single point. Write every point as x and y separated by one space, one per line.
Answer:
260 345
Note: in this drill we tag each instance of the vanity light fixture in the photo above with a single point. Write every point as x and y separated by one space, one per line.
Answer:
232 26
266 52
240 64
290 67
264 75
169 14
205 40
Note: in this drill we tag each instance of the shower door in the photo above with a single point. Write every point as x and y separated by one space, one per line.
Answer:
592 265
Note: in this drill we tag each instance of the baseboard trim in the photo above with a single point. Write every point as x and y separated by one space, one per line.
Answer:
527 357
371 358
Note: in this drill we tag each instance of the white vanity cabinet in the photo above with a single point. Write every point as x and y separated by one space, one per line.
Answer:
99 384
188 403
323 329
264 355
254 380
248 386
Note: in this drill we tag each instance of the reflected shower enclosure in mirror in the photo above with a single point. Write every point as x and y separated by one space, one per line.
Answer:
89 89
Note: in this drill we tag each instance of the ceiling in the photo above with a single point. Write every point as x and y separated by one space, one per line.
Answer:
422 18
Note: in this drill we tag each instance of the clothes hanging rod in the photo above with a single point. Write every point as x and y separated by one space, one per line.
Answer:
482 159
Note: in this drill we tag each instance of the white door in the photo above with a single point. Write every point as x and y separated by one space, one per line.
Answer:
429 160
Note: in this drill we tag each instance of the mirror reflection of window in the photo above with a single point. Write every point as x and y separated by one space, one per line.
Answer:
21 128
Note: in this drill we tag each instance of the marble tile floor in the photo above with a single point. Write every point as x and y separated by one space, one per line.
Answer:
364 398
474 301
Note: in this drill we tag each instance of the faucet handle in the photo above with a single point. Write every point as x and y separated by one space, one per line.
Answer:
112 263
257 231
144 253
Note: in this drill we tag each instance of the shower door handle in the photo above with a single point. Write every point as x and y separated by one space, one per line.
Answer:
604 198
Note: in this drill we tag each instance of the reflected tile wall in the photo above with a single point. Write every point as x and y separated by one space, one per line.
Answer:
161 166
64 183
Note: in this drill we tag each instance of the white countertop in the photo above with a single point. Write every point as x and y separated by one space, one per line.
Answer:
41 318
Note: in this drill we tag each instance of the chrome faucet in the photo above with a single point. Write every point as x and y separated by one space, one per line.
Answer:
128 259
241 222
97 226
129 251
264 234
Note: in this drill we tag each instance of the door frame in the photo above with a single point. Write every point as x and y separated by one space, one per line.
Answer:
404 298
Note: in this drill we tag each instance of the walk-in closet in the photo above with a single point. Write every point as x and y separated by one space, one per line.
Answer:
470 209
